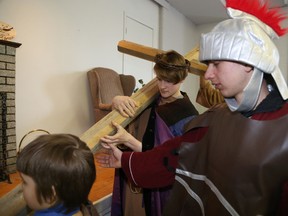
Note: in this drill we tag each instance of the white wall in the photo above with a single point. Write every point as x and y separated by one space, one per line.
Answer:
61 40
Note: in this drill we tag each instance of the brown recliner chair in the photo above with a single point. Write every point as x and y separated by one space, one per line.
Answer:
105 84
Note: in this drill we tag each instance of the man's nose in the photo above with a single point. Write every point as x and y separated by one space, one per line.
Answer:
209 74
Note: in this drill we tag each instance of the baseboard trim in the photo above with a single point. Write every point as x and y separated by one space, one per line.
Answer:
103 205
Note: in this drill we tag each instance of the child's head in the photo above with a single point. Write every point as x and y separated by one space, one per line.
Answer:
171 66
56 168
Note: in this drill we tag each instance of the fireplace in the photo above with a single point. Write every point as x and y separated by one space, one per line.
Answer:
7 109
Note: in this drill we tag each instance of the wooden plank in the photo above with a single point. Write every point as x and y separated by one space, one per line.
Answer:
138 50
13 202
143 97
196 67
207 95
148 53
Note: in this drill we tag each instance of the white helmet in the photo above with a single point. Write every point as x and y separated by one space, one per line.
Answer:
247 39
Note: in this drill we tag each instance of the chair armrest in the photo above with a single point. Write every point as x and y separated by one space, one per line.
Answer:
107 107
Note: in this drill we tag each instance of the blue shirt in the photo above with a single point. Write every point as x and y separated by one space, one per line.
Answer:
57 210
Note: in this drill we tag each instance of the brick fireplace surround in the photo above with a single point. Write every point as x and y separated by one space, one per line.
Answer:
7 109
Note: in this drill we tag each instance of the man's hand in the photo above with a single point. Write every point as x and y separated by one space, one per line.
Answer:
111 158
122 137
125 105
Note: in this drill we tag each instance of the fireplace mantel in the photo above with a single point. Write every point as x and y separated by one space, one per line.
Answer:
10 43
7 108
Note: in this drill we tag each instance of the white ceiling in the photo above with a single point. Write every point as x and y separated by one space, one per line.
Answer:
209 11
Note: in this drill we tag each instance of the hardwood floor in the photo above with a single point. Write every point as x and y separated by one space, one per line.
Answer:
5 187
102 187
103 184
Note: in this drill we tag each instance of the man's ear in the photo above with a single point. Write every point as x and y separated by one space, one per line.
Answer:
54 191
53 198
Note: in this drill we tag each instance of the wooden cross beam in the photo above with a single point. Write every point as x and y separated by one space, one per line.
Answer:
148 53
13 202
207 95
143 97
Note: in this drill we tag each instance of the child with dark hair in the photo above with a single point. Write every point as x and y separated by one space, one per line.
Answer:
58 172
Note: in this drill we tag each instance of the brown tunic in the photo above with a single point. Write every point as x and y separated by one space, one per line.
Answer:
237 168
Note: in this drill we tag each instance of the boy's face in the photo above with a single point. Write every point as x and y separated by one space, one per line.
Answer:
230 78
168 89
29 193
